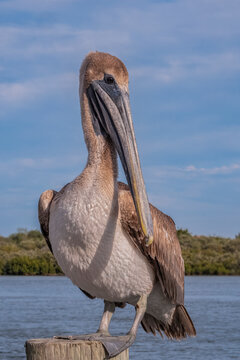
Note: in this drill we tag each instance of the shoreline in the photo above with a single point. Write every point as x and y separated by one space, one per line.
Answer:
27 254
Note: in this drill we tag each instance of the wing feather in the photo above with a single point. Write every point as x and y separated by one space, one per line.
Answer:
44 205
165 251
44 212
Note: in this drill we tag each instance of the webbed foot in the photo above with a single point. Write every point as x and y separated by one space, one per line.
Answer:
114 345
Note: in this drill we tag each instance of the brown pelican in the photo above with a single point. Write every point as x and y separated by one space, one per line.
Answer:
105 235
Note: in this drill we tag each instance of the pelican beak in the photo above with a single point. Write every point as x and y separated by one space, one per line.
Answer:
111 116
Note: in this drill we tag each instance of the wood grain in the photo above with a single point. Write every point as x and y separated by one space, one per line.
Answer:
60 349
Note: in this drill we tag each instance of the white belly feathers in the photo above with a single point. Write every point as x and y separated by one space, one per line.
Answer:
92 250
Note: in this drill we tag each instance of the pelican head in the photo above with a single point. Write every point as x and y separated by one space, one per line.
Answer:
104 81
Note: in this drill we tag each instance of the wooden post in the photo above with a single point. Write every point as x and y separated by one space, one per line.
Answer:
61 349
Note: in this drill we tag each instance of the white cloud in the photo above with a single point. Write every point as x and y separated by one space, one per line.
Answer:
169 22
166 25
20 93
30 44
155 173
222 170
189 67
15 166
165 42
57 39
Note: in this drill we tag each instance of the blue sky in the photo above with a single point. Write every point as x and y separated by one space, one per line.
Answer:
183 59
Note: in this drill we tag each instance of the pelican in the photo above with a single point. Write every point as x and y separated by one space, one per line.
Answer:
104 234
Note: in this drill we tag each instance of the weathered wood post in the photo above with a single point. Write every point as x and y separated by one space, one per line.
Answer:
61 349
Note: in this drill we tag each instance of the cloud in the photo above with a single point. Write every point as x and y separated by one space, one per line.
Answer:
193 125
189 67
29 45
21 93
173 62
169 21
172 28
14 166
222 170
155 173
57 39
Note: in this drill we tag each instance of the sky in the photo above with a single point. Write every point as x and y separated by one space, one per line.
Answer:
183 59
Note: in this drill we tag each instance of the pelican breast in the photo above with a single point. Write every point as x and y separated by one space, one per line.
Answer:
97 254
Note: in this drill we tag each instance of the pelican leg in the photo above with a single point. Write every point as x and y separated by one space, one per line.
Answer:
116 344
109 308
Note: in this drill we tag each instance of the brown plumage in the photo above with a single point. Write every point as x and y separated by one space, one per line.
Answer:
44 213
180 327
164 254
96 64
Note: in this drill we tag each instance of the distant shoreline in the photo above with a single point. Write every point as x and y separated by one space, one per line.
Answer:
26 254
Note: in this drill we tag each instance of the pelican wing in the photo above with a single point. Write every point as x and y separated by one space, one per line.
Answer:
164 253
44 205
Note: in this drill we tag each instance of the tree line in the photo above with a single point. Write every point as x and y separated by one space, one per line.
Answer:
26 253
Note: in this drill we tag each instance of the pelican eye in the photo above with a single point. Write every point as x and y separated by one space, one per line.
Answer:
109 79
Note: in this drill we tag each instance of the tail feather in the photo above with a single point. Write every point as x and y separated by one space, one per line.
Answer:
181 325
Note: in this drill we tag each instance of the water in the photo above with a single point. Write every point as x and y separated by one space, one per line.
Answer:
34 307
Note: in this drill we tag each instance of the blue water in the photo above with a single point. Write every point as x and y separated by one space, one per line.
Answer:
34 307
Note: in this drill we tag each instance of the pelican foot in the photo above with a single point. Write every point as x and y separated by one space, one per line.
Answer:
114 345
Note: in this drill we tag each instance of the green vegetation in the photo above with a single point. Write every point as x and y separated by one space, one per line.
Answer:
26 253
210 255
